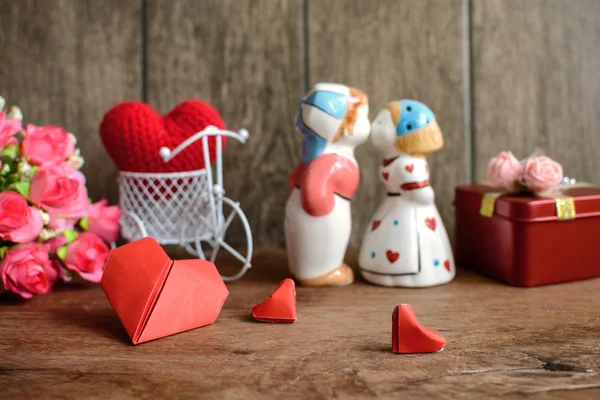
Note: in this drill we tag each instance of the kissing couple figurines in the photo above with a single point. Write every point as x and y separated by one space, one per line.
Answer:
406 243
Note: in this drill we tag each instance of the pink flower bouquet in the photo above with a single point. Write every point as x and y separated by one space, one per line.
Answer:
49 230
536 174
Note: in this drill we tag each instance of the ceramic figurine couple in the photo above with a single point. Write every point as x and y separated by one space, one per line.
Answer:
406 243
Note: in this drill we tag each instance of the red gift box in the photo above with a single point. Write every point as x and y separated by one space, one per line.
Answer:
528 240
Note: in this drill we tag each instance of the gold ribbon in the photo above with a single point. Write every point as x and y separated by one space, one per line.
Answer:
565 205
488 203
565 208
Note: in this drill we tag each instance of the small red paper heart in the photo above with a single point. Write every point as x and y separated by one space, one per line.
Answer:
385 175
410 167
392 256
410 337
430 222
280 307
133 133
447 265
375 224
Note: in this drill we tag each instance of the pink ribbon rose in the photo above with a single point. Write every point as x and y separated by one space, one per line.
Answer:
19 223
86 256
104 221
504 170
60 190
27 270
8 129
542 174
47 145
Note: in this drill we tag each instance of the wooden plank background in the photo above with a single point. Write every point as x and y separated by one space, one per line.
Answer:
66 63
511 74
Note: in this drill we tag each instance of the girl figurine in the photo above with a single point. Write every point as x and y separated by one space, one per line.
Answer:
406 243
333 119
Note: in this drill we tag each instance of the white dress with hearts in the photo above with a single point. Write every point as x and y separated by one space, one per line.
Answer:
406 243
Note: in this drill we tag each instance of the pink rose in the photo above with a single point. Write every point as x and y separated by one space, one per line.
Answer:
53 244
47 145
542 174
504 170
104 221
19 223
27 270
8 129
60 190
60 224
86 256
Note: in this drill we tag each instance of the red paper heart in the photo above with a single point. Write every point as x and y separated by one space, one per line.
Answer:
148 290
385 175
447 265
430 222
280 307
133 133
410 167
392 256
375 224
410 337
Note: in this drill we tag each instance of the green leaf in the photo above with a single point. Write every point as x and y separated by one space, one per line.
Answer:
70 235
3 251
84 223
10 151
23 188
62 252
34 171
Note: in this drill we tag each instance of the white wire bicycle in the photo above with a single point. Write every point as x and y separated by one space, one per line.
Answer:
185 208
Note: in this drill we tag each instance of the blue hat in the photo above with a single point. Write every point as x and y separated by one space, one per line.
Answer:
320 115
414 115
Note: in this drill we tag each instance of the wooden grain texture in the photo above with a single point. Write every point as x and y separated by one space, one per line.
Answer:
536 82
501 342
66 63
395 49
243 57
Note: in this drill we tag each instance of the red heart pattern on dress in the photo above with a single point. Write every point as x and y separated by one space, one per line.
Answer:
375 224
430 222
447 265
392 256
133 133
410 167
385 175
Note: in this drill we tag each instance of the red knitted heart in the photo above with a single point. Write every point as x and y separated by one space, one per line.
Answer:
133 133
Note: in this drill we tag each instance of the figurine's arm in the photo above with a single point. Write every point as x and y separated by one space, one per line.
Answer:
325 176
415 184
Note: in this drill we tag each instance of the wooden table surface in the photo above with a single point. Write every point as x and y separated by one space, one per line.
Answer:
538 343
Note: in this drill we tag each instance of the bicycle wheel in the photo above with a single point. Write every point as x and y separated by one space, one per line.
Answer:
132 226
234 226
